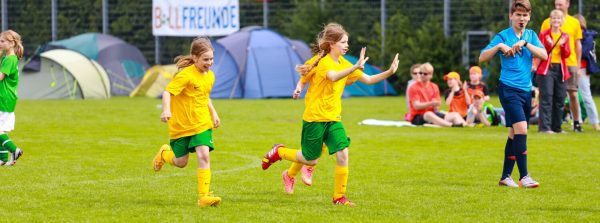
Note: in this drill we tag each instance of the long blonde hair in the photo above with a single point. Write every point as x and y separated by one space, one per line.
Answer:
331 34
199 46
14 38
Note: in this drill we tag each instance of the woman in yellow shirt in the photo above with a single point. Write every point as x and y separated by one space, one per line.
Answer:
327 76
191 116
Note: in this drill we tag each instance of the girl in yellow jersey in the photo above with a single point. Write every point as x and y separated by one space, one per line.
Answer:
327 76
191 116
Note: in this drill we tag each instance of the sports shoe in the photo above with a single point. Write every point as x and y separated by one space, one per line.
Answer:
13 157
307 172
343 201
2 163
527 182
288 183
271 157
577 127
508 182
209 200
158 161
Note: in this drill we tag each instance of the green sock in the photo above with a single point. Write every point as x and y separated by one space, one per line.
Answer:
7 143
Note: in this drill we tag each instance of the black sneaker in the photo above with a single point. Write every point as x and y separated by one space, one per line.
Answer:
577 127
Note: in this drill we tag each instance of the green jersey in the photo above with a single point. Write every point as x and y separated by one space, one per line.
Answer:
8 86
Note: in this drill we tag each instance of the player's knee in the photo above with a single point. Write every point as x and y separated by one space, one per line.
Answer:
312 162
181 163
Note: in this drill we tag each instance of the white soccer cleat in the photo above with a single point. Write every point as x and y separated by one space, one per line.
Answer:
527 182
13 157
508 182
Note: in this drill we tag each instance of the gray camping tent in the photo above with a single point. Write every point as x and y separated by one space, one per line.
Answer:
64 74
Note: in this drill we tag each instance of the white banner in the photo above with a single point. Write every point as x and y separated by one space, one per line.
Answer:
195 17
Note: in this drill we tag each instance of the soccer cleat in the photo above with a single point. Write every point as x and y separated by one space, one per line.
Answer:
577 127
209 200
13 157
508 182
528 182
158 161
271 157
307 172
343 201
288 183
2 163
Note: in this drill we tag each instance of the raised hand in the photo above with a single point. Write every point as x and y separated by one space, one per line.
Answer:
362 59
394 65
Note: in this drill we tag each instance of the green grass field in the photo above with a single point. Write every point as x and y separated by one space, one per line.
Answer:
91 161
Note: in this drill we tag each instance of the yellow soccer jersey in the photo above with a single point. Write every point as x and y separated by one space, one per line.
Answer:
323 100
571 27
190 91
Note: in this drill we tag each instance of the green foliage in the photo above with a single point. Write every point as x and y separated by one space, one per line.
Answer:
90 161
414 29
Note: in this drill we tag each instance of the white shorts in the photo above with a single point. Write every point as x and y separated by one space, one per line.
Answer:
7 121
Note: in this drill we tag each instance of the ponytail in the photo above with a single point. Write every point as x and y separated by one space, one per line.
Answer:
19 50
183 61
306 68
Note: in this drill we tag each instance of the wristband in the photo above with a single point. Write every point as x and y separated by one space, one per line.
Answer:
525 45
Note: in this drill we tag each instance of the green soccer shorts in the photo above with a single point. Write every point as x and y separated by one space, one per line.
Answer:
188 144
314 134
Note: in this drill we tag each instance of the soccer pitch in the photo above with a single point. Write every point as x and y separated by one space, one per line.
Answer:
91 161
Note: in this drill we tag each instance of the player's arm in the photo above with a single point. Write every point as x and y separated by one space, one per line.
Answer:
538 52
166 104
213 113
488 54
335 76
383 75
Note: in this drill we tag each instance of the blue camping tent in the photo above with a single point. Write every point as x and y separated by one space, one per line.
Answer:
226 73
265 62
362 89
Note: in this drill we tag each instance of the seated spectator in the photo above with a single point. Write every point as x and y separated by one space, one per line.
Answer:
457 96
414 72
424 98
481 111
475 82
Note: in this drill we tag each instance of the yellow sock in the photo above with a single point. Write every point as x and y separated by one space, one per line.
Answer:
341 180
288 154
168 155
203 181
294 169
